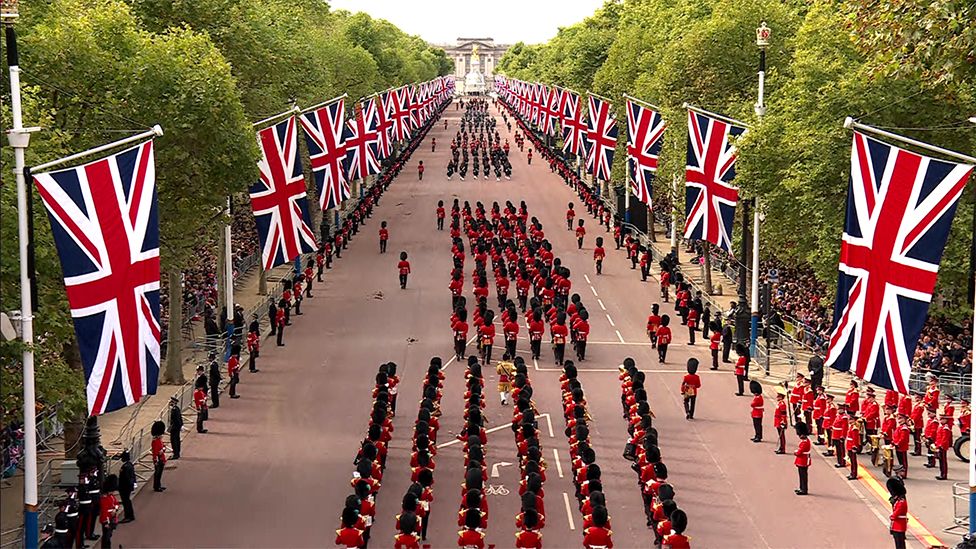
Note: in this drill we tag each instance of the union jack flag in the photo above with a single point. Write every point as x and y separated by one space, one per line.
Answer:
105 222
551 110
645 128
710 198
900 207
574 128
413 106
601 131
362 141
325 134
538 91
399 101
278 198
384 123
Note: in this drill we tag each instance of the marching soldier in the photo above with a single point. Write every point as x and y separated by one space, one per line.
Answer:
505 370
653 323
598 254
663 339
403 267
234 369
901 440
253 350
838 434
690 385
384 236
580 233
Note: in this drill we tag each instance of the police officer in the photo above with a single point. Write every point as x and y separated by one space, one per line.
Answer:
273 316
175 425
127 484
214 381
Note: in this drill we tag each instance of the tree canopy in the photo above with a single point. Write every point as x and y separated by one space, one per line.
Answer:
96 70
828 59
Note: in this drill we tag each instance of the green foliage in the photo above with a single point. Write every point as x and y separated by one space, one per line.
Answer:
902 65
95 70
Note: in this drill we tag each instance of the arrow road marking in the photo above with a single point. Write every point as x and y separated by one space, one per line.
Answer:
494 468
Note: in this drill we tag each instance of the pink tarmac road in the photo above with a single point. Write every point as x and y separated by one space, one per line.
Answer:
274 469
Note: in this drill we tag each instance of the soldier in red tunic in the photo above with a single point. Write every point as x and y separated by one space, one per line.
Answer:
943 441
899 511
780 419
158 455
384 236
663 339
690 384
758 406
200 405
403 267
598 254
349 536
802 460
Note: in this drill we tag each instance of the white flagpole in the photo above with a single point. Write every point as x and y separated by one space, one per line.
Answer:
972 400
852 124
762 41
19 138
229 264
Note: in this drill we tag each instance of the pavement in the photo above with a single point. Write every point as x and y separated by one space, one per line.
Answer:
275 466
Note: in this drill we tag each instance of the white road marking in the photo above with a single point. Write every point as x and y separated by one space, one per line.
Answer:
453 358
594 291
494 468
610 320
454 441
569 512
587 279
602 306
549 422
620 337
559 466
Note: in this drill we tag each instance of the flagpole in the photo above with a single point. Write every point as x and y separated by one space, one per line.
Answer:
762 41
588 92
850 123
229 266
972 399
156 131
642 102
715 115
19 138
260 123
324 103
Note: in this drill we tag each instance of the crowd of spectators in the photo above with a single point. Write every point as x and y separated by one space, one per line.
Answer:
200 280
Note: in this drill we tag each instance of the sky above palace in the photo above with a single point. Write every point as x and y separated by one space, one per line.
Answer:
507 21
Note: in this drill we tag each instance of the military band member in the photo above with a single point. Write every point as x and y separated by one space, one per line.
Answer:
234 369
109 510
663 336
690 384
901 440
780 419
853 443
599 254
931 431
505 370
839 435
580 233
403 267
384 236
943 441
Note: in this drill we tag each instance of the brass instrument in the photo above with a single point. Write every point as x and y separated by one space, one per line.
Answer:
875 442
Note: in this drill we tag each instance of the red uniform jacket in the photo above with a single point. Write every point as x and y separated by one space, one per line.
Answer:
349 537
384 234
597 537
403 267
758 406
691 382
599 253
802 453
663 335
779 415
943 439
899 515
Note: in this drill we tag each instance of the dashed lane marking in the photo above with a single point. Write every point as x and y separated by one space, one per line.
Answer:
569 512
602 306
559 466
620 337
587 279
610 320
592 289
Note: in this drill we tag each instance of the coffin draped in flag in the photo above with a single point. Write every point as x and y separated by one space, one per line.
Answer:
325 133
710 197
645 129
601 132
574 128
362 141
278 198
900 207
104 218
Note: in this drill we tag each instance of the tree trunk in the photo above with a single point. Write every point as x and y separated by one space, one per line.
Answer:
708 266
173 372
73 427
262 279
221 289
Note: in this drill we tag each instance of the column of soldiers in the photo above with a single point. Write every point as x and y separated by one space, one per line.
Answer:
663 516
586 473
473 513
532 467
478 135
516 247
357 515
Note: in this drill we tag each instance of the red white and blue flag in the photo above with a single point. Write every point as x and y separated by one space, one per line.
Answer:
413 106
710 197
384 124
574 127
362 140
645 130
278 198
551 110
325 133
400 101
900 207
105 221
601 132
